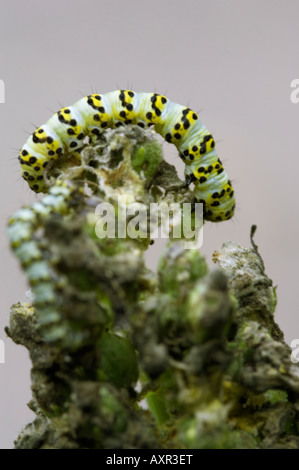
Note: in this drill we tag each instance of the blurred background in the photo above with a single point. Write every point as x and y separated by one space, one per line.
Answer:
231 61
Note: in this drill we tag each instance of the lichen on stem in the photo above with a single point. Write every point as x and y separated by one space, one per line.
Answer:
123 357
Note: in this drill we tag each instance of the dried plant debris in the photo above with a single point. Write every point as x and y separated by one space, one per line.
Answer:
123 357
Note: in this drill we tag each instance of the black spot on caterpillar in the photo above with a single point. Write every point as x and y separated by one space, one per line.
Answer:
65 131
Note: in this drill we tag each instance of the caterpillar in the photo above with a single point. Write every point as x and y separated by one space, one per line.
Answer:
42 278
66 130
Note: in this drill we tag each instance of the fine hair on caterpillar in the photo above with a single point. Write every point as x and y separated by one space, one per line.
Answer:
65 133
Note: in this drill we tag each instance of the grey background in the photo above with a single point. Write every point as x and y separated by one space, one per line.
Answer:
231 60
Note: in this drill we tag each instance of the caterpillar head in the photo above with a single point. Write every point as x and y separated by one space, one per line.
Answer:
214 190
220 205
